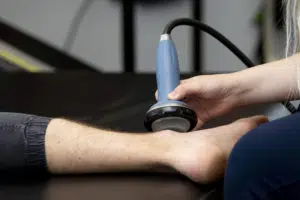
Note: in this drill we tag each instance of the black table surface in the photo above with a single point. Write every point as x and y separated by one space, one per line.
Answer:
114 101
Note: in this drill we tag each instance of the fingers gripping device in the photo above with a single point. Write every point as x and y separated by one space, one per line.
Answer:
176 115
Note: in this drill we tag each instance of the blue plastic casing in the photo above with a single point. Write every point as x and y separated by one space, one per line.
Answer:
167 72
168 114
167 69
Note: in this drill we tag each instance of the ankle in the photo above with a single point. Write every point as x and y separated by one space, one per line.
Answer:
197 157
162 146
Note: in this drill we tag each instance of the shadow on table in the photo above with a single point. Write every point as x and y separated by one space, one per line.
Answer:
110 187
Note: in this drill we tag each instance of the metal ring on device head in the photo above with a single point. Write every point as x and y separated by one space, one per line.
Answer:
170 112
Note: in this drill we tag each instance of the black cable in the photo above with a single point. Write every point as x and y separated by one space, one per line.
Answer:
75 24
235 50
212 32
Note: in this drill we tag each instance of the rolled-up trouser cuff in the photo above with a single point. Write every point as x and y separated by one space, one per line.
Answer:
35 131
22 143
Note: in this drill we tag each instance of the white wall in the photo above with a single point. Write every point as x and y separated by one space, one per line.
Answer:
234 19
150 23
46 19
99 42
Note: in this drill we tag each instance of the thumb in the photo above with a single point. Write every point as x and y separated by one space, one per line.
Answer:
186 88
180 92
199 124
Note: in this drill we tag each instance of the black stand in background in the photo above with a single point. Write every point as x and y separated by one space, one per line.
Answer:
128 24
197 39
128 19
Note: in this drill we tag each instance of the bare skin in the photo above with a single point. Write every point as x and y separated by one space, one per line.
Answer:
215 95
201 155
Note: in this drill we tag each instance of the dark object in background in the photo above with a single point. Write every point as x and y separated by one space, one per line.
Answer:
152 2
129 39
128 17
279 14
40 49
7 66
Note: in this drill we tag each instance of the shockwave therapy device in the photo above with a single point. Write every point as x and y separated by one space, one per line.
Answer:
176 115
167 114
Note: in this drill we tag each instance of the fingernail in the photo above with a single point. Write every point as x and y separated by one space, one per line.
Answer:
173 95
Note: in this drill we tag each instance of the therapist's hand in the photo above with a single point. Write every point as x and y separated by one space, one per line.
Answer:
209 95
214 95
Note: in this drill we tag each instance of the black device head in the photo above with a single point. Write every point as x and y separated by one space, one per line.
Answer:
170 117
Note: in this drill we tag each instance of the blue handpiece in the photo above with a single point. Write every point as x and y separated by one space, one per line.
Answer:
167 68
168 114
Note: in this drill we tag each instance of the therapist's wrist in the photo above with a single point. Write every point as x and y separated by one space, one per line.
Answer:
269 83
243 88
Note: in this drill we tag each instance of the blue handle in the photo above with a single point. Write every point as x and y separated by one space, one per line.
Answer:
167 69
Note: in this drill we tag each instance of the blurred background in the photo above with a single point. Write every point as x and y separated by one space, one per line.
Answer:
100 33
119 36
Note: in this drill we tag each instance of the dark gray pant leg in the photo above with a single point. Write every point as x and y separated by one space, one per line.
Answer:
22 143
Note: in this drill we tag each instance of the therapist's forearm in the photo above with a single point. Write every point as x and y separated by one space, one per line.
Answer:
272 82
83 149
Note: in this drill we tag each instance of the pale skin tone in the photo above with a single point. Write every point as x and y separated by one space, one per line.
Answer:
200 155
215 95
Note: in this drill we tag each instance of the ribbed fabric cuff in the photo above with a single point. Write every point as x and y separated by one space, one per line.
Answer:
35 143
